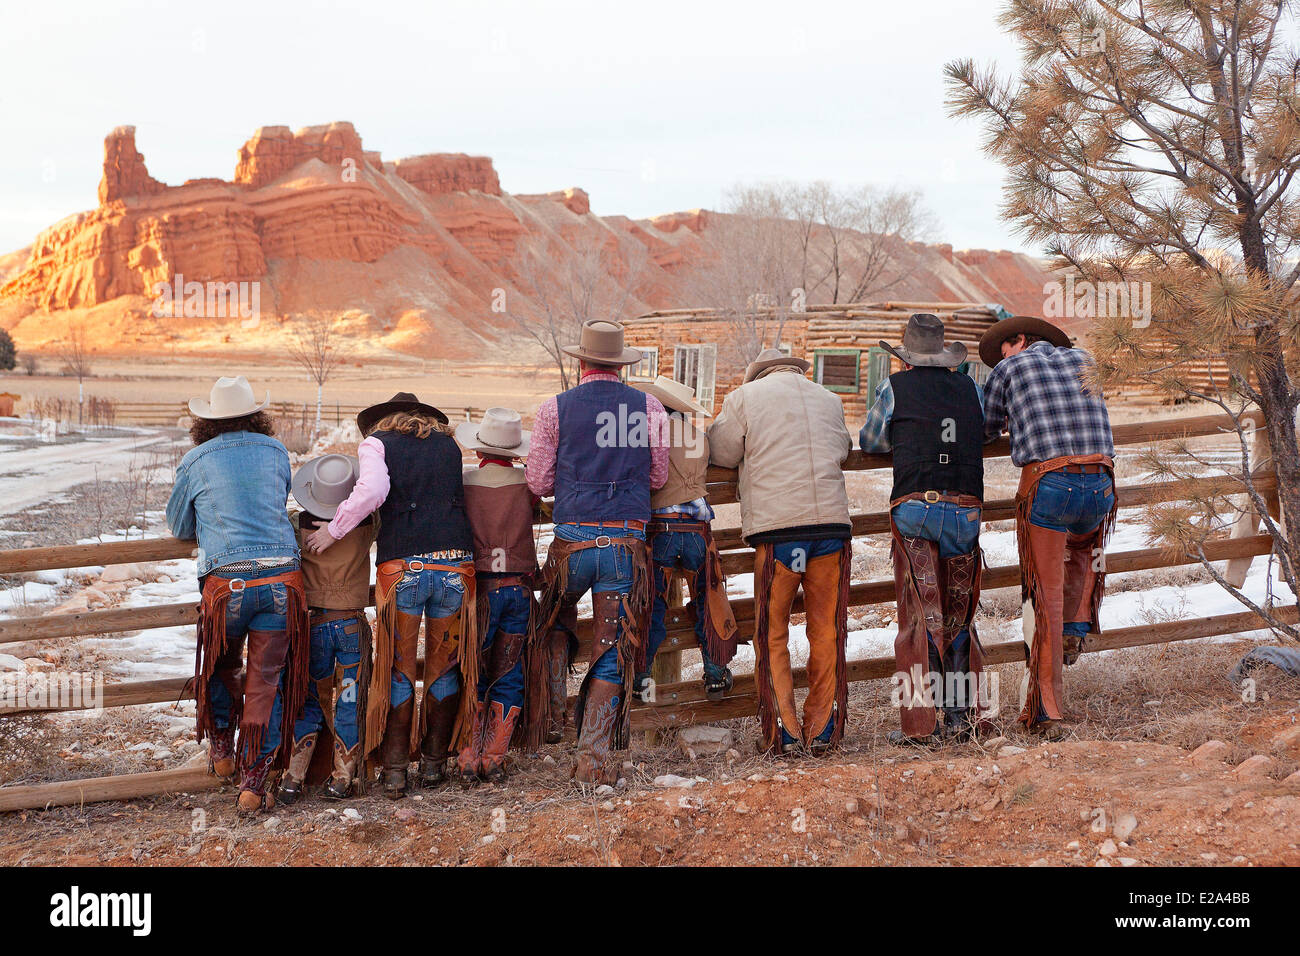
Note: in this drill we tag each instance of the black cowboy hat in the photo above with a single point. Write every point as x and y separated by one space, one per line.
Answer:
401 402
997 333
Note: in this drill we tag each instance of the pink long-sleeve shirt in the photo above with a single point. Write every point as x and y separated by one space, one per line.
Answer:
370 491
540 469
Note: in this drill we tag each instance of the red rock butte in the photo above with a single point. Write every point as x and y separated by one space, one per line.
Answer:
417 249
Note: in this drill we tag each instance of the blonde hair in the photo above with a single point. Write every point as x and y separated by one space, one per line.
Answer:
410 423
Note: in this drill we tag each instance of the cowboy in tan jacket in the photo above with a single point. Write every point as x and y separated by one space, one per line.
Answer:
788 438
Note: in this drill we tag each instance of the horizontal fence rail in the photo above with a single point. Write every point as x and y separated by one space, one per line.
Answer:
678 703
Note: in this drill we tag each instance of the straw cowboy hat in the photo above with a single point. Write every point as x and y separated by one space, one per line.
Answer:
500 433
229 398
923 344
324 483
602 343
997 333
401 402
769 359
674 395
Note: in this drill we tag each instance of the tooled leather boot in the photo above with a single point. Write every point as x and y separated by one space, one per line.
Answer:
439 723
496 740
339 785
395 749
294 780
221 751
253 794
469 762
596 759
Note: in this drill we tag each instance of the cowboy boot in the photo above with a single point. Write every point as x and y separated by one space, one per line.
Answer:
295 775
469 762
439 718
596 763
221 751
252 785
395 749
496 740
339 785
557 649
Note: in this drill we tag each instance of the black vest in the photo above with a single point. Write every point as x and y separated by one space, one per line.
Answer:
937 433
425 507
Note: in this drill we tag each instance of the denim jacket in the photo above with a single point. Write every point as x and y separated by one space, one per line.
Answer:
231 493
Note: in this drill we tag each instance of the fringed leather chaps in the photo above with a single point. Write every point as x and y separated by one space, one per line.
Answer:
1058 582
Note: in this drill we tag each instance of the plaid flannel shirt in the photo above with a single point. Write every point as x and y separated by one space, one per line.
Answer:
1040 397
874 436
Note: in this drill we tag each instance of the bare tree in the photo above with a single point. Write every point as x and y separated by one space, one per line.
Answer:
563 285
1153 144
30 363
318 349
74 351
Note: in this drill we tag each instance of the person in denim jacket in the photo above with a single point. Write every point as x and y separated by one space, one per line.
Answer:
230 494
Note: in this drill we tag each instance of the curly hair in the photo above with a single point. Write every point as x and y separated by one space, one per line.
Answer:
205 429
410 423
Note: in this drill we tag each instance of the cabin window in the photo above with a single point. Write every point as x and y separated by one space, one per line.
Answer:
837 369
696 366
878 369
648 368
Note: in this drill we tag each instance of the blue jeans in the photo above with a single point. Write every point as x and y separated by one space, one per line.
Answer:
1076 504
685 550
333 644
954 528
264 608
507 612
600 570
429 593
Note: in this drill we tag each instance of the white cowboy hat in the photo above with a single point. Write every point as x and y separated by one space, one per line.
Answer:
674 395
500 433
229 398
324 483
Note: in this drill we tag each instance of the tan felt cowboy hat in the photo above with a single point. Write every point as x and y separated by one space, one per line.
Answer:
401 402
500 433
324 483
997 333
674 395
773 358
602 343
923 344
229 398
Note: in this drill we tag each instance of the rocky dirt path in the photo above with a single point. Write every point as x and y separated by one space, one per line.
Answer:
30 476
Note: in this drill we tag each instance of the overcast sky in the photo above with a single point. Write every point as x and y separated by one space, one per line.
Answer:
650 107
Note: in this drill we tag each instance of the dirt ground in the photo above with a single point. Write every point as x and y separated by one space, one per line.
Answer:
1124 790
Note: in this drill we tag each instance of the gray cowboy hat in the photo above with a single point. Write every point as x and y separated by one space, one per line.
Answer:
501 432
602 343
923 344
401 402
324 483
997 333
769 359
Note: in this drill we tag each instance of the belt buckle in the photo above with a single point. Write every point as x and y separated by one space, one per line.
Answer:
604 541
415 565
932 497
241 585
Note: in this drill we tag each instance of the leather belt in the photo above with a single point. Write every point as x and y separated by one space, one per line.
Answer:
630 524
934 497
1084 469
508 581
676 524
324 616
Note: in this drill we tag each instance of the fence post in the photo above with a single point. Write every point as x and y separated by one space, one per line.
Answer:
1248 522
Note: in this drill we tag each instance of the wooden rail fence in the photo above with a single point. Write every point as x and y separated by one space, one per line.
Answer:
678 703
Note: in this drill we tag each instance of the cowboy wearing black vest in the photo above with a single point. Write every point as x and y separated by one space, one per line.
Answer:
600 448
932 421
410 473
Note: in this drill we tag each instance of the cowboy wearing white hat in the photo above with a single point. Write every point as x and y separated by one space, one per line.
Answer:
501 513
252 589
598 448
337 581
680 539
787 436
930 418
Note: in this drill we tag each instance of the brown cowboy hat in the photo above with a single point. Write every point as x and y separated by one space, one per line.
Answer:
401 402
923 344
602 343
769 359
997 333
